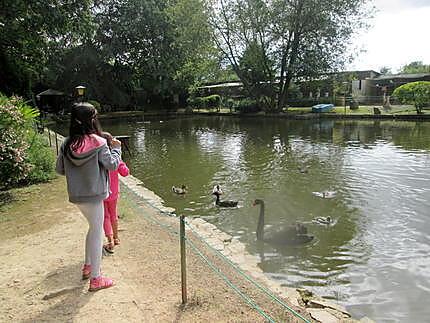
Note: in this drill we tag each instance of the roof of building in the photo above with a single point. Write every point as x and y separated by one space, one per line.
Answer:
50 92
402 76
221 85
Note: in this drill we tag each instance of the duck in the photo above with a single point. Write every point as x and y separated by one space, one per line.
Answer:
325 194
217 192
296 234
323 220
179 190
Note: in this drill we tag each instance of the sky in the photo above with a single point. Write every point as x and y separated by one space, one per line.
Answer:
399 34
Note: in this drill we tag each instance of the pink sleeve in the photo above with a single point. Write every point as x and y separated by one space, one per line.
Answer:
123 169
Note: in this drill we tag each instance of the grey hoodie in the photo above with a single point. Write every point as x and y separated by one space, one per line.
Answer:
87 170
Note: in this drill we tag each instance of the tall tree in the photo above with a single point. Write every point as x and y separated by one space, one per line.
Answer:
32 33
301 37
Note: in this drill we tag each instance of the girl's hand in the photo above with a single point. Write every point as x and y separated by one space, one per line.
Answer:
116 143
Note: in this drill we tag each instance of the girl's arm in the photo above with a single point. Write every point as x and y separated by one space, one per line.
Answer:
123 169
110 159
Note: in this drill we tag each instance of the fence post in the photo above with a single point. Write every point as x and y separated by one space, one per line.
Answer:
49 136
56 143
183 261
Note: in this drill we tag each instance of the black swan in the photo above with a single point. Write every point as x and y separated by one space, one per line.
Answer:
292 235
217 192
179 190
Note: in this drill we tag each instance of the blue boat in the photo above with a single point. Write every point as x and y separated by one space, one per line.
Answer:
319 108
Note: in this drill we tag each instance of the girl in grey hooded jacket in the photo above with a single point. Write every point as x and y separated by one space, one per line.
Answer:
85 159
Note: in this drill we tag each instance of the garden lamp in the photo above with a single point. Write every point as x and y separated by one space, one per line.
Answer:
80 90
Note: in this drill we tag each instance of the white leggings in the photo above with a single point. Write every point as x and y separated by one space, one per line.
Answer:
94 212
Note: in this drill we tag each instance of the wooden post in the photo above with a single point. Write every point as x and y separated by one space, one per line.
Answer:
183 260
56 143
49 136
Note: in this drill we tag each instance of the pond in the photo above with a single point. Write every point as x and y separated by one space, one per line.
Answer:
374 259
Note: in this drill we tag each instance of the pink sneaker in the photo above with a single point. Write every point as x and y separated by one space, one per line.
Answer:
100 283
86 272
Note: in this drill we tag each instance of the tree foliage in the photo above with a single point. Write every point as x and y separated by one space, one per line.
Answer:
416 93
23 155
116 48
415 67
34 32
298 38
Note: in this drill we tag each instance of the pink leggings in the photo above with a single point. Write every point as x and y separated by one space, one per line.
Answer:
110 216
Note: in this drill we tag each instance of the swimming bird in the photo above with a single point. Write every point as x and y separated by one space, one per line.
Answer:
217 192
323 220
291 235
179 190
325 194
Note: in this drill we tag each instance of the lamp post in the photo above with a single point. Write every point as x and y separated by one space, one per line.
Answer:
80 91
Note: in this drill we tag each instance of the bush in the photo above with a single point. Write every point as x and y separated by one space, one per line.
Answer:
206 102
415 93
211 101
22 158
42 160
246 106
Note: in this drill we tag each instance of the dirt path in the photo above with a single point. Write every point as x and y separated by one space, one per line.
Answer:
42 251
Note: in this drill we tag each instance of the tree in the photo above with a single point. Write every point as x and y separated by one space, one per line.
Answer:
198 59
416 93
298 38
385 70
415 67
31 35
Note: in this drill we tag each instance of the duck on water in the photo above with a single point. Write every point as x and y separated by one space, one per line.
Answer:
291 235
217 192
179 190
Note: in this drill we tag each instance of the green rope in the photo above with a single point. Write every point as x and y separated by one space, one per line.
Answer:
229 283
263 289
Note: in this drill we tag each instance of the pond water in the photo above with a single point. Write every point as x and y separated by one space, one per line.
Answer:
374 259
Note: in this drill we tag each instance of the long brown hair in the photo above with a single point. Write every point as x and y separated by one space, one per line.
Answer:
83 121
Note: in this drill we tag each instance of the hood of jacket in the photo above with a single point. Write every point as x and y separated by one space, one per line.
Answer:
89 148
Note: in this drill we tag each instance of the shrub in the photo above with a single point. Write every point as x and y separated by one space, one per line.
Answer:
206 102
42 160
246 106
211 101
415 93
13 164
22 157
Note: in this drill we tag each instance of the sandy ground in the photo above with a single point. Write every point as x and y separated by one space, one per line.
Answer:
41 256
